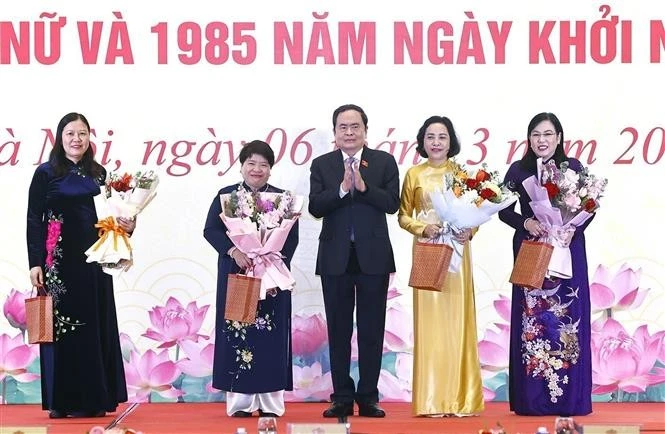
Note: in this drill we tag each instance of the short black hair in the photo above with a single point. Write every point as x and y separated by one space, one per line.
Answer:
347 107
454 148
257 147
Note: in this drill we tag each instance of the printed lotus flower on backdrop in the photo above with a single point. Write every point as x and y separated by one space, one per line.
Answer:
398 336
502 307
309 383
173 323
14 308
15 357
151 372
488 394
393 291
126 346
623 362
616 290
397 388
308 333
198 360
494 348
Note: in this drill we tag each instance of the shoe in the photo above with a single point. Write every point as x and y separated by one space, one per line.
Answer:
371 410
338 409
266 414
241 413
56 414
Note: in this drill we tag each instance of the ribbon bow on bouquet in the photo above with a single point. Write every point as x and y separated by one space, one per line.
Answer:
121 196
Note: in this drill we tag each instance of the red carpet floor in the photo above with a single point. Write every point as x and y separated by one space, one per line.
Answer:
211 418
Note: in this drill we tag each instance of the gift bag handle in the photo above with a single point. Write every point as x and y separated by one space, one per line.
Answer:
37 288
249 271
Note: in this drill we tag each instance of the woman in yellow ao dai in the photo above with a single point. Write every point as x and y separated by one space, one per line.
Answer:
446 369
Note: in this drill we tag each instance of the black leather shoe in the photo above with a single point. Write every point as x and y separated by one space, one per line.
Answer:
56 414
266 414
338 409
241 413
371 410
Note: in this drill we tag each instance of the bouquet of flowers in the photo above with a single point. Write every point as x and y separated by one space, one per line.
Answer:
125 196
467 201
563 199
258 225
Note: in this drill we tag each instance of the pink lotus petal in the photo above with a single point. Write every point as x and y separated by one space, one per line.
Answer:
502 307
492 356
618 290
19 357
199 359
14 308
126 346
603 389
601 296
398 335
309 383
633 299
164 373
626 280
391 388
624 362
488 394
26 377
171 393
308 333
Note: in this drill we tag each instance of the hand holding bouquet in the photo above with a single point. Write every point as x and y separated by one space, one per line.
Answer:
258 225
562 199
123 196
465 202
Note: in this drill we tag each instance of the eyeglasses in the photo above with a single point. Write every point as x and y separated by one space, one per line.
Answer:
343 128
548 135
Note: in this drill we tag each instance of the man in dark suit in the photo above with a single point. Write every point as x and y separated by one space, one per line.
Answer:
352 188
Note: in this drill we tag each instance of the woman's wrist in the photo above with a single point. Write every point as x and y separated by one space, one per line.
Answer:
527 221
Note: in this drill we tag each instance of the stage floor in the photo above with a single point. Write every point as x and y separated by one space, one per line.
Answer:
211 418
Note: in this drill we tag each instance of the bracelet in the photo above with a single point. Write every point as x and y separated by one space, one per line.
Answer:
525 221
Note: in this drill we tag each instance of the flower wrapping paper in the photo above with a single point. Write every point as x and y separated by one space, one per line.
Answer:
114 249
263 244
560 263
458 213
